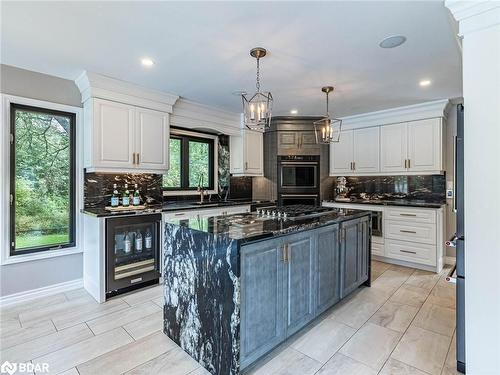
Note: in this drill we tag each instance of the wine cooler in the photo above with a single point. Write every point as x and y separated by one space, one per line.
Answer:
132 253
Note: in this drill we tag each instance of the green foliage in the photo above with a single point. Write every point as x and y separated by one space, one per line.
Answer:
42 168
173 178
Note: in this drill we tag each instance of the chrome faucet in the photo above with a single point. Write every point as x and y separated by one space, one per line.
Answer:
201 189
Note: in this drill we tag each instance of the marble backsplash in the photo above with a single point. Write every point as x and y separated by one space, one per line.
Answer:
431 188
98 187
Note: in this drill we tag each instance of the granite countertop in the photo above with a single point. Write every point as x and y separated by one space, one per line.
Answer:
393 202
171 206
252 227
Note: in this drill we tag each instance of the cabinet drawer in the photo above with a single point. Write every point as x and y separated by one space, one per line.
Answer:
414 215
411 252
377 249
415 232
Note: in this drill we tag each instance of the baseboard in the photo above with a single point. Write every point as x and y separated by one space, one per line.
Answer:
29 295
450 260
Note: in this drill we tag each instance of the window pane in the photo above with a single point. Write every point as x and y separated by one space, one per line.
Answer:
173 177
43 173
199 163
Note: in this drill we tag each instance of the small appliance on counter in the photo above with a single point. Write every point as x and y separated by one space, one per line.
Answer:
341 190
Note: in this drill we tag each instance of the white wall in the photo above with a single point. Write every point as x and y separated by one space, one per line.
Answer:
480 27
20 277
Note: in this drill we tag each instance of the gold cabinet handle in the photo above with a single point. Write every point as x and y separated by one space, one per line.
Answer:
412 215
284 253
246 165
407 231
137 158
409 164
133 157
288 252
353 165
406 163
409 252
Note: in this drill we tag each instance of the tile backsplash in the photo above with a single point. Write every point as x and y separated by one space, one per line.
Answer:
98 187
431 188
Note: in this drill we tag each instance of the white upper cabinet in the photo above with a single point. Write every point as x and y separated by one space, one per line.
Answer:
366 150
123 138
246 153
413 147
393 145
152 139
126 126
112 141
341 154
425 145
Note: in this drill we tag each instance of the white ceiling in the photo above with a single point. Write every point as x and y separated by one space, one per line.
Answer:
201 49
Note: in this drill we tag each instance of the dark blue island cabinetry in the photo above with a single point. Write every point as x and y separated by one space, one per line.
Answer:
237 286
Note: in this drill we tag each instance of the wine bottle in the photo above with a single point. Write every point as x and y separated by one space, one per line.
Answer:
148 239
126 197
114 197
138 242
127 244
137 198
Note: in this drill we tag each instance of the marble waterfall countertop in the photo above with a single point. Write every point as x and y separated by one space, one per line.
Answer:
201 276
248 227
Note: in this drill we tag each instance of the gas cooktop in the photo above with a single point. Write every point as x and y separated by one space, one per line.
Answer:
293 211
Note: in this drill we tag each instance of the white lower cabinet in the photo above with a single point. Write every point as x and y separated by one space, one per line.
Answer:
407 231
377 248
411 252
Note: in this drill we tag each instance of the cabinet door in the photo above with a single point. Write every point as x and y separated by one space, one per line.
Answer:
262 299
328 268
424 145
152 138
393 147
299 281
367 150
354 255
113 135
254 150
341 155
288 140
307 142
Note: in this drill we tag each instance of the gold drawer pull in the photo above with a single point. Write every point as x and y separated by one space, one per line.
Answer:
409 252
407 231
413 215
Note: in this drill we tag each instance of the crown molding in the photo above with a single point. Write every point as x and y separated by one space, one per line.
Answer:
437 108
93 85
192 115
474 15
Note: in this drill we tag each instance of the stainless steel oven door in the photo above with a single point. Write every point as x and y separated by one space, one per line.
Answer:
298 175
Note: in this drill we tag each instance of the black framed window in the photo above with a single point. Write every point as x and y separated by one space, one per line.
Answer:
42 179
191 163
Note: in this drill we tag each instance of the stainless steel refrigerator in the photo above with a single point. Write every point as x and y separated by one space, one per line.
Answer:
460 239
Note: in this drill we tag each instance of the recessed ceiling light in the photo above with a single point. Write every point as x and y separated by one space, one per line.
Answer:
392 41
294 111
425 82
146 61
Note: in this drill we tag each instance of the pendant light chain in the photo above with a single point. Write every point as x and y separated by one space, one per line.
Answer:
327 111
257 84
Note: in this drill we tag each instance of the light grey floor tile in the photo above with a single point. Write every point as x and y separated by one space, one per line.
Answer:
72 371
160 301
129 356
145 326
56 309
436 319
86 350
394 367
9 324
13 311
323 340
371 345
394 316
46 344
422 349
410 295
76 293
87 312
451 357
122 317
173 362
406 270
390 281
423 279
289 362
20 335
356 311
443 295
342 365
379 266
145 295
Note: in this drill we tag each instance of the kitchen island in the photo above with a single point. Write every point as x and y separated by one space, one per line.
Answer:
237 286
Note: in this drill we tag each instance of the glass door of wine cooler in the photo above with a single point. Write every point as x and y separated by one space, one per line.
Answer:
132 251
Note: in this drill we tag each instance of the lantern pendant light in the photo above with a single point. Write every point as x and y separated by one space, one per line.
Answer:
327 129
258 107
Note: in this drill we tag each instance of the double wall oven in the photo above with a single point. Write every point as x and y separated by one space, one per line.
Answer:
298 180
132 252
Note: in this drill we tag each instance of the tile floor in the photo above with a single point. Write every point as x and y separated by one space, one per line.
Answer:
403 324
